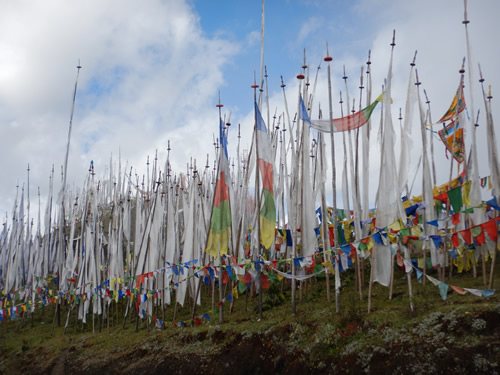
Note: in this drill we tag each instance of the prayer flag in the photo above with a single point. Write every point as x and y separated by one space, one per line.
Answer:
452 136
351 122
457 105
265 163
220 224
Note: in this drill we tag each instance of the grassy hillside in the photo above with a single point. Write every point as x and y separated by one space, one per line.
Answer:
459 335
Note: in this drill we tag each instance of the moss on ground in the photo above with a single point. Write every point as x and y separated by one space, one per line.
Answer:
460 334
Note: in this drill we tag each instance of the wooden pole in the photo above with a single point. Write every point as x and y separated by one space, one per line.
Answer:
410 290
492 268
372 270
221 296
328 59
483 264
391 284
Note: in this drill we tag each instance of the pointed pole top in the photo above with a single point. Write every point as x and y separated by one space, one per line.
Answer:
361 87
393 38
465 21
327 58
427 101
219 105
417 83
414 58
481 79
255 85
462 69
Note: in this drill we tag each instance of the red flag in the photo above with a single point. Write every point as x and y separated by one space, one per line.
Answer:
466 235
490 228
247 279
264 279
480 239
458 289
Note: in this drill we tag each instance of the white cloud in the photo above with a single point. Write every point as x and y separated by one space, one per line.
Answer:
308 27
149 74
253 38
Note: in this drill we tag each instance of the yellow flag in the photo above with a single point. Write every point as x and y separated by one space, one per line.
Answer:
395 226
392 237
407 204
416 231
466 192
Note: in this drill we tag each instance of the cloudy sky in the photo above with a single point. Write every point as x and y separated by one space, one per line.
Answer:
152 72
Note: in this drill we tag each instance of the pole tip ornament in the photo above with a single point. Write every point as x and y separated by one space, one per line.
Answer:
417 83
414 58
462 69
282 83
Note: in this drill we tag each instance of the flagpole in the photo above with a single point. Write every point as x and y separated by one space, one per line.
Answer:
221 296
353 181
62 228
345 190
494 167
428 102
305 176
328 59
384 213
457 109
256 253
356 192
366 162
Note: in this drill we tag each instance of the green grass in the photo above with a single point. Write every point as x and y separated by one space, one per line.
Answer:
316 328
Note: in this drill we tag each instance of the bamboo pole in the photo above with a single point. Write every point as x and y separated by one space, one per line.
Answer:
328 59
410 291
256 253
353 180
391 284
483 264
493 262
221 296
372 270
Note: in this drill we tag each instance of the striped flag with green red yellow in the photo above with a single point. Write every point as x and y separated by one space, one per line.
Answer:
220 223
265 163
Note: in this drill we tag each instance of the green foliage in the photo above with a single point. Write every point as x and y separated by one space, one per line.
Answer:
436 332
273 297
